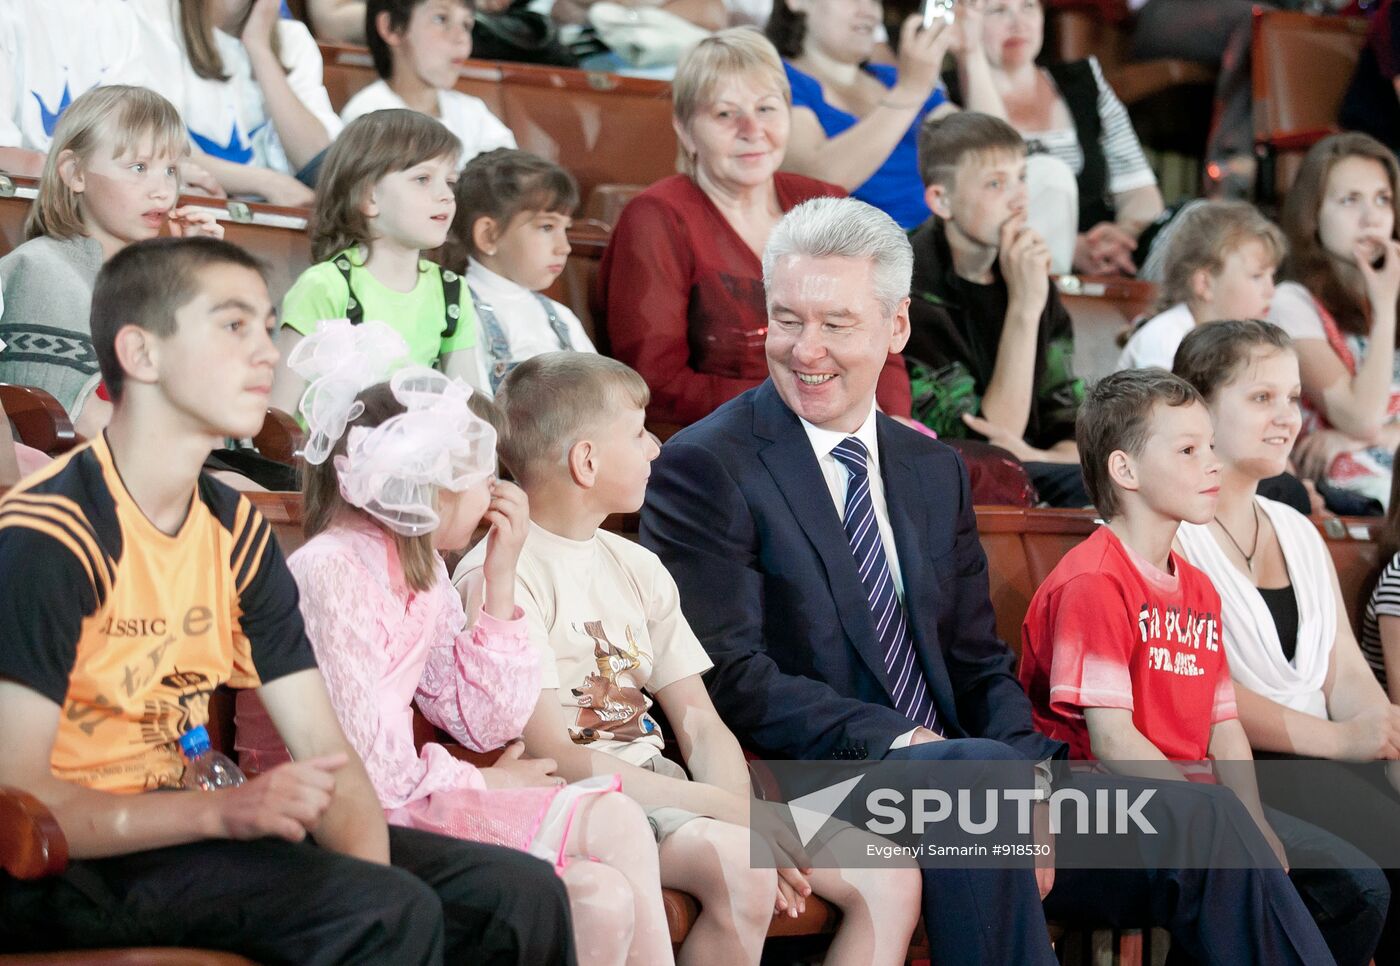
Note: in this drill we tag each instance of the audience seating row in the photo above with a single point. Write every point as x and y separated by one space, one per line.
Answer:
604 128
1084 28
1102 308
1022 547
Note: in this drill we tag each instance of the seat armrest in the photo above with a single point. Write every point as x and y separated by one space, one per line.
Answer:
32 845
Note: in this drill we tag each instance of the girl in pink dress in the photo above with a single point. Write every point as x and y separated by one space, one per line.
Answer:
396 473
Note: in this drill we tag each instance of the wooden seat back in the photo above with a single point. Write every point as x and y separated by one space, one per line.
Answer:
605 128
275 234
1302 64
1102 309
1092 27
39 420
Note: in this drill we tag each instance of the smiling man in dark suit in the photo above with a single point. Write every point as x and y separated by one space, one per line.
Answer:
828 559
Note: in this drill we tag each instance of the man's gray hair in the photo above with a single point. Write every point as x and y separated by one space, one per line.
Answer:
845 227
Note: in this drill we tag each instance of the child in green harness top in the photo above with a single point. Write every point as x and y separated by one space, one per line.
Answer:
386 196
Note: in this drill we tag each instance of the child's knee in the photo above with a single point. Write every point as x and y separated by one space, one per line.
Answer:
602 902
618 811
890 893
624 823
752 887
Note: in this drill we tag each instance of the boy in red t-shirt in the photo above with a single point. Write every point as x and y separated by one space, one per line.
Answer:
1121 647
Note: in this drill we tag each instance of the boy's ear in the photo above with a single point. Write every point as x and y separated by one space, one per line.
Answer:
1122 470
583 467
385 28
1202 285
70 171
137 352
486 235
936 196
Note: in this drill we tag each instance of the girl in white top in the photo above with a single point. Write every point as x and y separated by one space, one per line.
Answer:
419 47
513 215
251 91
1303 687
50 53
1220 264
1339 306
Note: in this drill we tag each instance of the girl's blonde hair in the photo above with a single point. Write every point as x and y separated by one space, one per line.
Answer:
736 52
1205 237
200 47
119 116
370 147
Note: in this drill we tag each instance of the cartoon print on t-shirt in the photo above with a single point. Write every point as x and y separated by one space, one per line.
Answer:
611 705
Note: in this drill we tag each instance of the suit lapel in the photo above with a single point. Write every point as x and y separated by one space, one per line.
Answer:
789 457
907 502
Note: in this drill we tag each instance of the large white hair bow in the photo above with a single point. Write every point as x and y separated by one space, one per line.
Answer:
393 471
339 361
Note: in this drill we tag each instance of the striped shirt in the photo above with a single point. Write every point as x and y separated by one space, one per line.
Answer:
1127 165
130 629
1384 602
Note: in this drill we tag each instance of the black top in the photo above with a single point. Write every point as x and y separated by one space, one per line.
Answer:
1283 607
955 331
1370 104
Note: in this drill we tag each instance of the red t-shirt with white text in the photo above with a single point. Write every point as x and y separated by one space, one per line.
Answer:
1100 633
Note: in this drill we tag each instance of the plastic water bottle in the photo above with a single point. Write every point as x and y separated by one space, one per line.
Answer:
207 769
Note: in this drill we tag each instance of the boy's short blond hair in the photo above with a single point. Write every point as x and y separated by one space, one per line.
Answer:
552 399
945 141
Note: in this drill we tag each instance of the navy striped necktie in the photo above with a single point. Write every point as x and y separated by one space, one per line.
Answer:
912 697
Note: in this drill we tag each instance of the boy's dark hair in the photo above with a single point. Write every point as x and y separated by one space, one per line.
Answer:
1116 415
500 184
145 284
945 141
1212 355
399 12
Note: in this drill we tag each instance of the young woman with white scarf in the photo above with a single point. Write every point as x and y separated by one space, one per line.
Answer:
1303 687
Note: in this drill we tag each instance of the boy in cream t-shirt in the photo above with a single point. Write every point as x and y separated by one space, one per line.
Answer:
606 615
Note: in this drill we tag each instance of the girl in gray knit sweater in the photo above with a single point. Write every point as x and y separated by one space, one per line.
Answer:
111 178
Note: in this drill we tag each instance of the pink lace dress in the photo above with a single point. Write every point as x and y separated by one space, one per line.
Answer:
380 646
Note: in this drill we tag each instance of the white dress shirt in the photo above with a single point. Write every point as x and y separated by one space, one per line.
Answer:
838 477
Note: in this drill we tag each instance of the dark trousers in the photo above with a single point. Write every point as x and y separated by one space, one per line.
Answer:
1356 804
1226 916
1349 901
277 902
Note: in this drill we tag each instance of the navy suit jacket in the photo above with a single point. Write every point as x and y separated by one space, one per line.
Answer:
738 510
